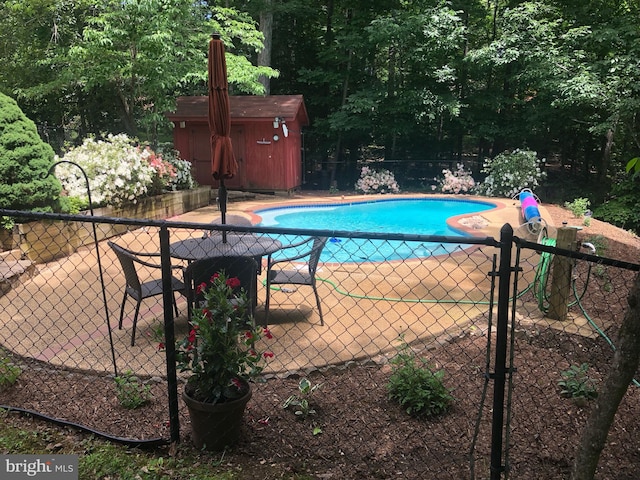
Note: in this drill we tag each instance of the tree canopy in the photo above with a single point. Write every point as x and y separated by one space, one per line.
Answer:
412 83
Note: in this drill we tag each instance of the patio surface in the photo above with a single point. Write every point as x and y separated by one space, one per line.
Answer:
58 315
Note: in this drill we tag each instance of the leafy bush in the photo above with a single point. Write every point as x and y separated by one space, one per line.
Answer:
622 207
120 171
458 181
413 384
376 181
24 162
578 207
510 172
183 178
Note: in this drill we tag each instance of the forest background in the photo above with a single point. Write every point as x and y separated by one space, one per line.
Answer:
412 85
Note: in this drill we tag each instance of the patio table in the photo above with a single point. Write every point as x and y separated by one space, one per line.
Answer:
236 245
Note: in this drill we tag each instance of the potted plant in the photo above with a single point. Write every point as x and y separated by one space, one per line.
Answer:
222 354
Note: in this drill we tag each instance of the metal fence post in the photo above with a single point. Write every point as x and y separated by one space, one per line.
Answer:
169 335
500 366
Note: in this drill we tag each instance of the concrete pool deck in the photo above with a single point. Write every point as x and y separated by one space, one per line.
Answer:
58 315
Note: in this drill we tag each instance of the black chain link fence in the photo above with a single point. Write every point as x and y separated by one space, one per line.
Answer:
64 357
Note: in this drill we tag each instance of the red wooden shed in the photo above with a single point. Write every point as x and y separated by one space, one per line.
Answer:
266 133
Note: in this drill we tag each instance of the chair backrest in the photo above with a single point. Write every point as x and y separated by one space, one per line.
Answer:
201 271
316 250
127 261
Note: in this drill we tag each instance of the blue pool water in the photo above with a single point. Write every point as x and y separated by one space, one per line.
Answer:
405 216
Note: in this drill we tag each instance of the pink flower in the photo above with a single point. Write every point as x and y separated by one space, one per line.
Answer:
233 282
201 288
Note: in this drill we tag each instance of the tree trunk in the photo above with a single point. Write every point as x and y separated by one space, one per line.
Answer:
264 56
625 365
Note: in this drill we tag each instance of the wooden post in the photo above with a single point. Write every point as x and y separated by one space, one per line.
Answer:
561 275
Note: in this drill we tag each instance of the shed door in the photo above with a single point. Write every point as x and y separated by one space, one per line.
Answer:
201 155
201 160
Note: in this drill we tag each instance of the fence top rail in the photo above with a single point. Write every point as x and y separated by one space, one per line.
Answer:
467 240
574 254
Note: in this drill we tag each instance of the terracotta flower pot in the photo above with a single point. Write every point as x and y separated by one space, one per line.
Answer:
216 426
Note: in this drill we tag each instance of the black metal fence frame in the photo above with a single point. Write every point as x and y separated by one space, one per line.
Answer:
506 274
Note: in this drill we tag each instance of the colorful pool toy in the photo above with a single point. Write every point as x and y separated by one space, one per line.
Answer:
530 211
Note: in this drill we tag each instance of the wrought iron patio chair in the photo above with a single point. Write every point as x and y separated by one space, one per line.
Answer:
138 290
201 271
296 276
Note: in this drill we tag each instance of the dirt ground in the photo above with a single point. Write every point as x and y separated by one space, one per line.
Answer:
366 436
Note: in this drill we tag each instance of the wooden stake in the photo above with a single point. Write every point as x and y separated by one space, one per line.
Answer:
561 271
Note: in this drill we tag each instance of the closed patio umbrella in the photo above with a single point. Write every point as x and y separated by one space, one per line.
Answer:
223 161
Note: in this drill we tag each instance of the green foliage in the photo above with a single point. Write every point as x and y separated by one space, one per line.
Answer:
132 393
24 162
301 403
575 382
621 209
102 459
9 372
509 172
578 207
415 386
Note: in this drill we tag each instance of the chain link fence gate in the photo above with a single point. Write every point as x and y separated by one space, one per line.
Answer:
60 335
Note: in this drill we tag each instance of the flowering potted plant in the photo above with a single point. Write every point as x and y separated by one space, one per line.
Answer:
222 355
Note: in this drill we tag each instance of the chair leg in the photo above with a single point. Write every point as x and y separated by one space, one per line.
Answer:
135 322
266 302
319 307
175 304
124 300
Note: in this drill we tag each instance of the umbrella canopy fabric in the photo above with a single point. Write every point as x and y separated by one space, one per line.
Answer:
223 161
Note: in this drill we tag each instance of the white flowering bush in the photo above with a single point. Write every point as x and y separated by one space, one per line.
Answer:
118 171
458 181
510 172
376 181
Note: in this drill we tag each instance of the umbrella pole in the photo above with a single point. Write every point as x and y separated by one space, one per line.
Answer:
222 198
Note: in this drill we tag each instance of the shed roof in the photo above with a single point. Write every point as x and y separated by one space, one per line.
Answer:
245 107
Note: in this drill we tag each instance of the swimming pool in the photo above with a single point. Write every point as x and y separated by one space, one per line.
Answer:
425 216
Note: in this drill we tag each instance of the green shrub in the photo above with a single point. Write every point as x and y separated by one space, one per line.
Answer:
24 162
622 207
578 207
415 386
